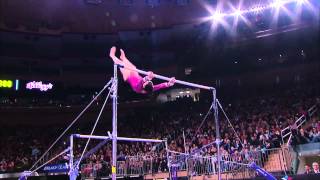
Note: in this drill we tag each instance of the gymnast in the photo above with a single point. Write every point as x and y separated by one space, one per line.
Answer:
142 85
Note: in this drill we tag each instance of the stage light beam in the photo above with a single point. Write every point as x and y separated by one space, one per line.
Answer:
217 16
300 2
278 4
238 13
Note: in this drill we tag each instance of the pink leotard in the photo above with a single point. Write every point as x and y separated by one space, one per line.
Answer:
136 83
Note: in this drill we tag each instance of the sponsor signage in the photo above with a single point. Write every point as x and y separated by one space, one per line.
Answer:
56 168
39 85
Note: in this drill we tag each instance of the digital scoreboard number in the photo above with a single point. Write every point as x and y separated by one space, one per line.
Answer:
6 84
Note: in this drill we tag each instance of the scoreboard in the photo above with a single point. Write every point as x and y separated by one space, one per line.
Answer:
26 85
9 84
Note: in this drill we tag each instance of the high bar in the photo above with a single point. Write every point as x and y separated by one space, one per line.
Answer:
168 79
118 138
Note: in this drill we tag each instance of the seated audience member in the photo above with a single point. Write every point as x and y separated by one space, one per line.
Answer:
315 167
307 169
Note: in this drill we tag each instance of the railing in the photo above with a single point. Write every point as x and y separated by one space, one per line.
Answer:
299 122
237 163
131 166
312 110
232 166
287 131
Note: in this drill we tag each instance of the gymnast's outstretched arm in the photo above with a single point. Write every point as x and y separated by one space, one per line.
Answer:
164 85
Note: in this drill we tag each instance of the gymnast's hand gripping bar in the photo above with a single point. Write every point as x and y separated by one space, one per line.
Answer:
167 79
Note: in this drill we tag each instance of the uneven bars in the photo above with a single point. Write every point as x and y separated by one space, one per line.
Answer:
139 140
91 137
168 79
118 138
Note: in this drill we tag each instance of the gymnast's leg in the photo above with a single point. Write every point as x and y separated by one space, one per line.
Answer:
128 63
125 72
125 60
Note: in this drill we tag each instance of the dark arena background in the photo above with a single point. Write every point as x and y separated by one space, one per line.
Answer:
234 93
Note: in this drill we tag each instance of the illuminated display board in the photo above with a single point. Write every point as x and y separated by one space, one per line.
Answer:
39 85
6 84
9 84
30 88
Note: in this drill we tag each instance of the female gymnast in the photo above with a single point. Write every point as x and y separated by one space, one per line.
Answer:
142 85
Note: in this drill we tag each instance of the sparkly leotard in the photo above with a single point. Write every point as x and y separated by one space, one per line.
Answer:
136 83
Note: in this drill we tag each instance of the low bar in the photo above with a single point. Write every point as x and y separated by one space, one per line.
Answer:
118 138
168 79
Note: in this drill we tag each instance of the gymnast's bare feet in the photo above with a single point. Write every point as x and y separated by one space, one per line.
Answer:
112 54
123 55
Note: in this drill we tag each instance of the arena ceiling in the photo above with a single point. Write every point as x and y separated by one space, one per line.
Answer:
97 16
110 16
69 35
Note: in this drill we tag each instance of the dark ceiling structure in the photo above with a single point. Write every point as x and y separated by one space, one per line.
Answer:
97 16
58 39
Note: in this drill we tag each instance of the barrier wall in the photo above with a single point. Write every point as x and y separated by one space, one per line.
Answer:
232 166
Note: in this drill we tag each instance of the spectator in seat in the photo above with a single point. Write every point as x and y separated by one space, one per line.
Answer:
315 167
303 137
315 135
307 169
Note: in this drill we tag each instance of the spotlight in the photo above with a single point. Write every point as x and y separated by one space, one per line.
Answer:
301 1
278 4
217 16
257 9
238 12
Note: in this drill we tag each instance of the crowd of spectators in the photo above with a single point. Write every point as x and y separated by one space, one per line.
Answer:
313 170
257 122
21 146
308 134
